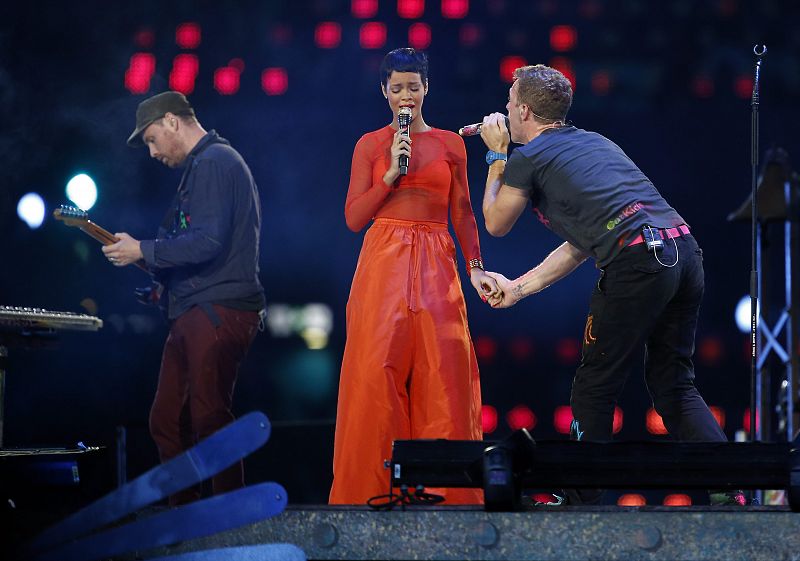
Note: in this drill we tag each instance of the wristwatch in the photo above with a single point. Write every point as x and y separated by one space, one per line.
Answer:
492 156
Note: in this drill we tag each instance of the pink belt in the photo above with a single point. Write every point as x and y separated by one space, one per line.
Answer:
667 233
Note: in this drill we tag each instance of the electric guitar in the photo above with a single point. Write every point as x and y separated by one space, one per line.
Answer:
72 216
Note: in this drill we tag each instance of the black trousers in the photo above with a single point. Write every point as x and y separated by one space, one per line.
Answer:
641 302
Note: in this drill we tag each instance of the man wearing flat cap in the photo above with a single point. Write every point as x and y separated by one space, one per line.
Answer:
204 260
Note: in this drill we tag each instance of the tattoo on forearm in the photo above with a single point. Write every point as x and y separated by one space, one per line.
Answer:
518 292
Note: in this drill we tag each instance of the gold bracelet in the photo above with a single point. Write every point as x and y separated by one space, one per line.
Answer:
473 264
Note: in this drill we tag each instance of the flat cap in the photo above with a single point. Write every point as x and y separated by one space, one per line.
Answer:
154 108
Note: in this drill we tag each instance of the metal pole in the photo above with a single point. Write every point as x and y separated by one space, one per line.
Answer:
755 378
791 363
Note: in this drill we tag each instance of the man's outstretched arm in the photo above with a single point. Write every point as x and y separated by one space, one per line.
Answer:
561 262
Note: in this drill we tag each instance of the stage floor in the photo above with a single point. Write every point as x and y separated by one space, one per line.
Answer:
544 533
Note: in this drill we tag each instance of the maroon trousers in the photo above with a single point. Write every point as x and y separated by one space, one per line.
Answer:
195 386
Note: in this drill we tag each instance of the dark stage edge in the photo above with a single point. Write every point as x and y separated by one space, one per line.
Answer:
551 533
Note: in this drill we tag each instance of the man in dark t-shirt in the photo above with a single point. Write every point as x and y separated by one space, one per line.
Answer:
585 189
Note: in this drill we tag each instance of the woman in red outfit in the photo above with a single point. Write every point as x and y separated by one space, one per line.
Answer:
409 368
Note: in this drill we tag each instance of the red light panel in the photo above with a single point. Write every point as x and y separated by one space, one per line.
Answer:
226 80
744 86
568 351
139 73
470 34
136 83
372 35
144 63
364 9
654 423
564 65
508 65
455 9
617 426
710 351
563 38
521 417
183 83
488 419
677 499
184 73
485 348
274 81
562 419
188 35
186 64
719 415
601 82
328 35
631 499
703 86
419 35
746 421
410 9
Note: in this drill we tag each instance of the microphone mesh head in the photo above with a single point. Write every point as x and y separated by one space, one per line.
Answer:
404 116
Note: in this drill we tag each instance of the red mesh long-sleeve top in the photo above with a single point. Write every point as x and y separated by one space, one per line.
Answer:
436 182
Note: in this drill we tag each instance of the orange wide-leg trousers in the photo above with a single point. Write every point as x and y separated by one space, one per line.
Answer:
409 369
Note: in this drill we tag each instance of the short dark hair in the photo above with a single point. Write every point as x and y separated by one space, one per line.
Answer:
404 60
545 90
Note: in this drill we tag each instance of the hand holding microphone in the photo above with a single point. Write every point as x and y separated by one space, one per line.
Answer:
400 149
496 133
476 128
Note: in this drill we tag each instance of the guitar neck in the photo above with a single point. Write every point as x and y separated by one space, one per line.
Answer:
105 237
100 234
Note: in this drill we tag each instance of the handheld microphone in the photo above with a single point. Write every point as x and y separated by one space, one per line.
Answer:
475 129
404 123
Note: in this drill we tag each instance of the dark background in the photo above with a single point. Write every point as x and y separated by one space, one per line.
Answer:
64 109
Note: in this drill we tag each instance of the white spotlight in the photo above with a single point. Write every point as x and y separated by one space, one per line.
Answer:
743 314
82 191
30 210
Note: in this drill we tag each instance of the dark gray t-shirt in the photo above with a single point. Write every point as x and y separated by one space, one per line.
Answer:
587 190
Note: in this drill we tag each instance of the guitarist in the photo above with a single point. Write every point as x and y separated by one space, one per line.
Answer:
205 261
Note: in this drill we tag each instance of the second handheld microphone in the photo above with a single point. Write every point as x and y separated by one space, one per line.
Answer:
475 129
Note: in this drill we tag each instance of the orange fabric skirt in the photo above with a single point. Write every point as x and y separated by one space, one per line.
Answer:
409 369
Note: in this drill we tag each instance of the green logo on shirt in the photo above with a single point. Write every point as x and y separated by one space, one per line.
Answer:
629 210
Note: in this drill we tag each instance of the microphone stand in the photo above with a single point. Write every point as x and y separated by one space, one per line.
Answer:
755 378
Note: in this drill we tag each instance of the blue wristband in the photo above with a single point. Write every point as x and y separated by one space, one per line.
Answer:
492 156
